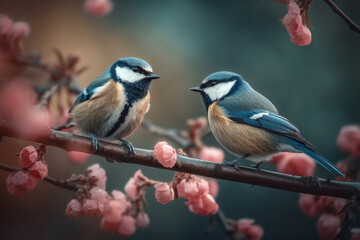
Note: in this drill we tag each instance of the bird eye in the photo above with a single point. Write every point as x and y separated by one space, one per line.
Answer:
212 83
135 69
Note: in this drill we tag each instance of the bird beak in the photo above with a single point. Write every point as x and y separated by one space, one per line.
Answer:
152 77
196 89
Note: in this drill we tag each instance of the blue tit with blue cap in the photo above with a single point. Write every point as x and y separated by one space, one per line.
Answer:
247 124
114 104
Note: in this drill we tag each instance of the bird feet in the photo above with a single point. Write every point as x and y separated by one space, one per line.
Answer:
236 163
94 142
257 165
129 146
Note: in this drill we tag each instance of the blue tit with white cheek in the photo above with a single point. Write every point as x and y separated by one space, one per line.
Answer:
247 124
114 104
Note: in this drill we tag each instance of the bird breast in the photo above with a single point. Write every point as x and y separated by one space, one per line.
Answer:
239 139
96 115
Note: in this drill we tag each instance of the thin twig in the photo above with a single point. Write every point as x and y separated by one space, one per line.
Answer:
350 208
51 92
71 142
59 183
352 25
171 134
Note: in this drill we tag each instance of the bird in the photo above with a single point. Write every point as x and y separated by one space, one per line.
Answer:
114 103
248 125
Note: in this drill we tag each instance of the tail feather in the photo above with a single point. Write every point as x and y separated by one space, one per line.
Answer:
322 161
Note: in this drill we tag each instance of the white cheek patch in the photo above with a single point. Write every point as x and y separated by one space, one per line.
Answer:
127 75
219 90
259 115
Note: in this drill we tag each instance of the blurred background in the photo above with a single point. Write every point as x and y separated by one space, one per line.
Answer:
316 87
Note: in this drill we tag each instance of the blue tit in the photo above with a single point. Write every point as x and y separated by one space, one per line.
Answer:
247 124
114 104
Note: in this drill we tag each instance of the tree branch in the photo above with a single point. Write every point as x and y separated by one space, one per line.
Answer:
71 142
352 25
59 183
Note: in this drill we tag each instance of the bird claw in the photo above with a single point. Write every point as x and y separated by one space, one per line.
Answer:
236 163
129 146
256 165
94 142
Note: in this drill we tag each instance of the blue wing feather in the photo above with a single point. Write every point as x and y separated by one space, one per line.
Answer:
88 92
268 121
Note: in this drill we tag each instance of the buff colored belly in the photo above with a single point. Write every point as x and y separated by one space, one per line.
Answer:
237 138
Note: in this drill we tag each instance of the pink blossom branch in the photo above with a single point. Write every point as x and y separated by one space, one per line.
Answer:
352 25
310 185
59 183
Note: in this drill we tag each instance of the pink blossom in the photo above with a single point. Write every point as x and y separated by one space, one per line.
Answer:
78 157
297 164
165 154
299 33
356 234
6 25
38 170
99 196
20 182
73 209
28 156
131 188
127 226
118 195
213 188
211 154
250 231
90 208
194 187
349 139
203 206
338 204
328 226
20 30
308 205
164 193
99 173
142 220
98 8
112 214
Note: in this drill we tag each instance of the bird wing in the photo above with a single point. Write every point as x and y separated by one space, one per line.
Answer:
88 92
268 121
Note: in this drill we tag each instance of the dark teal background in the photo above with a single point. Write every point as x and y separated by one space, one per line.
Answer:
316 87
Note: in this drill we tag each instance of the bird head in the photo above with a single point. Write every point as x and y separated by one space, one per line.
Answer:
219 85
132 70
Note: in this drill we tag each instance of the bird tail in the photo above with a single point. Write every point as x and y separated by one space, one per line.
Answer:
322 161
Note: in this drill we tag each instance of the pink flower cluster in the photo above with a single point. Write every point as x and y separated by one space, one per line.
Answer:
98 176
195 189
328 224
11 34
293 22
121 213
92 206
98 8
165 154
247 228
33 169
349 139
116 216
297 164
